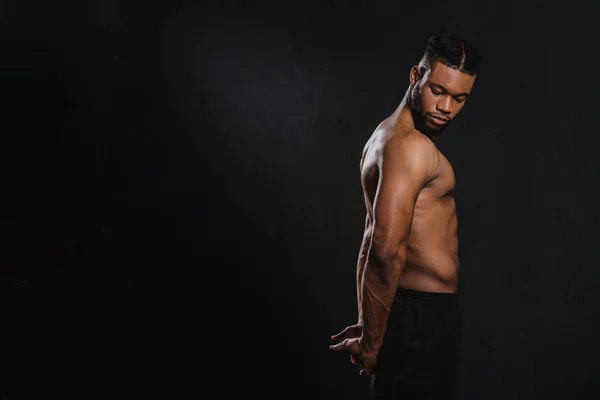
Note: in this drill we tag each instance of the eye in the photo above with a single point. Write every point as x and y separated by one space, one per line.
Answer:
461 99
436 92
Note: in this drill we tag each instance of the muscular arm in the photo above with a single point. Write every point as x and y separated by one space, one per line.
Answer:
362 261
404 167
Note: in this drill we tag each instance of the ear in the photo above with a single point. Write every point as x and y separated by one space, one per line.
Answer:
415 75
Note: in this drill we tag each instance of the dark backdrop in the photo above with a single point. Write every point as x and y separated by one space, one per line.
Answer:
182 199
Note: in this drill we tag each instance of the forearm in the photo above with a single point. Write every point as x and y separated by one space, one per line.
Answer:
359 279
360 265
360 269
378 289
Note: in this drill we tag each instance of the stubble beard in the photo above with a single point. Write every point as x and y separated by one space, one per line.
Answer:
419 116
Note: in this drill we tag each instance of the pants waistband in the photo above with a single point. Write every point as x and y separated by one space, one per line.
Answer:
416 294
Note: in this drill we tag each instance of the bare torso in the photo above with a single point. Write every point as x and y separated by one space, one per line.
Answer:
432 263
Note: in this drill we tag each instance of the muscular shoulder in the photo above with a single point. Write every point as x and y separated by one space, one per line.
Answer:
411 142
410 149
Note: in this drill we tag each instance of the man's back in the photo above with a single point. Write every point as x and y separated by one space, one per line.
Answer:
432 247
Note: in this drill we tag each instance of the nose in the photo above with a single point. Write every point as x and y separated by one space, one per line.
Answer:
445 105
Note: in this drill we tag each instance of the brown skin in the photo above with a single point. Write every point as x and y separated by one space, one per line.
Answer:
410 239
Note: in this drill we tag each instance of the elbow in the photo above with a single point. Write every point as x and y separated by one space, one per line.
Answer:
385 253
383 268
386 246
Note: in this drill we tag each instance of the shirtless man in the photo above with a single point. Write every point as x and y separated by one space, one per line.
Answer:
406 337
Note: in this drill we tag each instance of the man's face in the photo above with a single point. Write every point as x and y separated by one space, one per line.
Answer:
438 95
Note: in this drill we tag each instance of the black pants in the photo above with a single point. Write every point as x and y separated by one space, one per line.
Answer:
418 359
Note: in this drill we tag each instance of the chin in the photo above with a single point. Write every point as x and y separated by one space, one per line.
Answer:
433 130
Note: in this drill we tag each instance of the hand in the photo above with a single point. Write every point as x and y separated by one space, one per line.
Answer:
351 331
366 361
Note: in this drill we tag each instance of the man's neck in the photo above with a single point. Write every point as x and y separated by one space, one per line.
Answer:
404 113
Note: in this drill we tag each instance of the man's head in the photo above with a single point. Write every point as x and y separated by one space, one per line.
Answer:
441 83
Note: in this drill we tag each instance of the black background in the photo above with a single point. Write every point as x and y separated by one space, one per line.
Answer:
182 199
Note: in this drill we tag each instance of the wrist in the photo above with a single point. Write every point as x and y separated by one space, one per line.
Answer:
367 348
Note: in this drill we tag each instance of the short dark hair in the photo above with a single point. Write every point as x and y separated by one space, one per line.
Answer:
453 52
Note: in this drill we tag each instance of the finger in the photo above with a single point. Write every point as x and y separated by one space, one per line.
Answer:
340 346
359 362
349 332
342 334
352 331
353 359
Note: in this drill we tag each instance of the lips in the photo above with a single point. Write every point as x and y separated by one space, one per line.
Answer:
438 120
